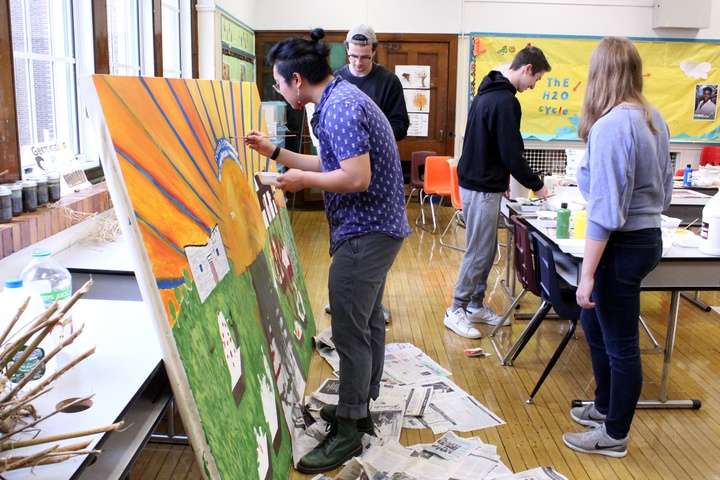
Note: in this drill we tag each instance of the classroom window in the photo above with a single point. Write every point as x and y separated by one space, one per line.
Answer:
171 38
44 53
124 37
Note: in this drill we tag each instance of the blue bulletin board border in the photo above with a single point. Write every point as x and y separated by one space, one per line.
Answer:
671 65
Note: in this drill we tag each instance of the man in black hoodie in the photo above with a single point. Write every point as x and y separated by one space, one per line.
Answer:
493 150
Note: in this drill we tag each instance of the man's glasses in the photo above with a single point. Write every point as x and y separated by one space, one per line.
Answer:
276 87
364 58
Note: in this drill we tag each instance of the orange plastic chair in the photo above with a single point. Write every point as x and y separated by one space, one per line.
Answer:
457 204
436 182
710 155
417 165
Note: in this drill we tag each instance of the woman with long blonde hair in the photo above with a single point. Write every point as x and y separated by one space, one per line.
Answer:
626 177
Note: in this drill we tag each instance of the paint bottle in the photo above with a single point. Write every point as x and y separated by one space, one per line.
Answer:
687 176
562 229
580 225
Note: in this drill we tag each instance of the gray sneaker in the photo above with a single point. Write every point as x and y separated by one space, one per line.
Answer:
597 441
458 322
486 315
588 416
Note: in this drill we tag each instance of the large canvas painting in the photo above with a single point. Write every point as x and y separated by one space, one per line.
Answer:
216 261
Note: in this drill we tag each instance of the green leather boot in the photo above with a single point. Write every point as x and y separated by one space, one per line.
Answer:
340 444
364 425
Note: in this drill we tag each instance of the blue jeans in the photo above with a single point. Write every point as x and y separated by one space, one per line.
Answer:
356 283
611 328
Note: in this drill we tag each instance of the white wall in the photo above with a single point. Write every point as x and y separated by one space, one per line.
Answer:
629 18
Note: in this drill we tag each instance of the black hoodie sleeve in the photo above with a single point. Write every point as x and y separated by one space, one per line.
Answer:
511 147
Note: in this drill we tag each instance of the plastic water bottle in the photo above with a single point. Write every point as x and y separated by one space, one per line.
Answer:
687 176
563 222
45 276
11 299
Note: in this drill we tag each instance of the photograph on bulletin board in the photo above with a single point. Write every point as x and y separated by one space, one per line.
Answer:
551 111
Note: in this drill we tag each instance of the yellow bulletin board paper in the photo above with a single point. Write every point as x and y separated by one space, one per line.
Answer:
674 74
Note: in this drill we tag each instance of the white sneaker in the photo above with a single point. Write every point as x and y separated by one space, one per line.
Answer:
486 315
458 322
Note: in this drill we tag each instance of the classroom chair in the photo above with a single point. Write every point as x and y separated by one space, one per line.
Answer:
417 170
457 204
436 182
710 155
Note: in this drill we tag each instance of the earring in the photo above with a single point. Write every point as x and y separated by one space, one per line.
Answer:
298 98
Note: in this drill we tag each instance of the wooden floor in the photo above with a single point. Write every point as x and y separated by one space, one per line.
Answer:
667 443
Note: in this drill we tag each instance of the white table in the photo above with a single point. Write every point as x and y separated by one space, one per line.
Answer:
120 374
680 269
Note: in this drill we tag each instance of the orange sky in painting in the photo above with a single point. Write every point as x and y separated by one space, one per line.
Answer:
166 133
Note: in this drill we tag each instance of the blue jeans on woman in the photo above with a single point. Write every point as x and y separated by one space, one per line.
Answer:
611 328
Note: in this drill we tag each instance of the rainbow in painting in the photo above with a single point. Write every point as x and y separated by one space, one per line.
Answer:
215 259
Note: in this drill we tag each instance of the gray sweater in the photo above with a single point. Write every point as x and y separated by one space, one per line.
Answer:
626 175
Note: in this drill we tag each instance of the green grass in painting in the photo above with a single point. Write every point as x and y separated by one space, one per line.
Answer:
230 428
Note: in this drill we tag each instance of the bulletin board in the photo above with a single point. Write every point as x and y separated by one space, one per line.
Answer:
677 75
238 47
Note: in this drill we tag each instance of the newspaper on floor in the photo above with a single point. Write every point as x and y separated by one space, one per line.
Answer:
452 408
393 461
387 414
452 447
326 348
406 364
328 392
417 397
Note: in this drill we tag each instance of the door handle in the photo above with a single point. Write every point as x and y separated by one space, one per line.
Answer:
442 135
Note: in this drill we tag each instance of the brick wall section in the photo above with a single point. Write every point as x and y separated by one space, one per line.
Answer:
30 228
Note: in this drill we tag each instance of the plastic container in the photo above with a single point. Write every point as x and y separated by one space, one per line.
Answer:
562 229
580 225
42 189
53 186
5 205
11 299
687 176
29 196
710 229
16 195
52 281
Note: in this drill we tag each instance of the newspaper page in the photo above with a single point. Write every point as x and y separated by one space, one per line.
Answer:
387 414
407 364
328 392
453 447
417 397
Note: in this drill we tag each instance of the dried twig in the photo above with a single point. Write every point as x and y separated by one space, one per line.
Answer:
17 414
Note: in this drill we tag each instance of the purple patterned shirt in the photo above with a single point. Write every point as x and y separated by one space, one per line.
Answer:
350 125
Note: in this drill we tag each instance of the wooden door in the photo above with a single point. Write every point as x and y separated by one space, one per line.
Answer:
440 53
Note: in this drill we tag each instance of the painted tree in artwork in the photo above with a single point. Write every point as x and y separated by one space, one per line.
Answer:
420 101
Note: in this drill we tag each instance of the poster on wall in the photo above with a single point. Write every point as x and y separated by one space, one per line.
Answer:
238 50
416 80
551 111
54 157
214 255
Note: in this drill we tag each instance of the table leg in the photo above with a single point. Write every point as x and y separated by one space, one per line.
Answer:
662 401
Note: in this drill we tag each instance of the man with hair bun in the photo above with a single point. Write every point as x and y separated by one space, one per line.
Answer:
358 170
